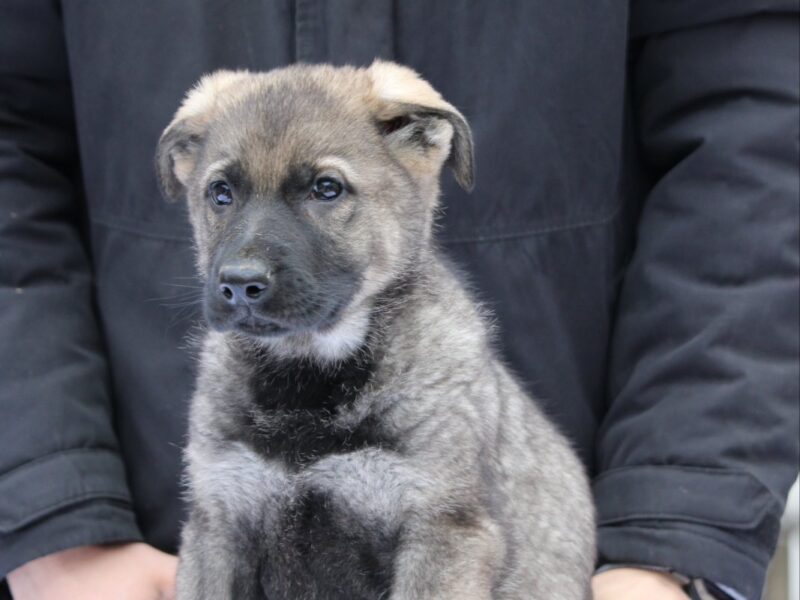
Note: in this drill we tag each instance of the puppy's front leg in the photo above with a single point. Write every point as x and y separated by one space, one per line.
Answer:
453 556
236 497
211 566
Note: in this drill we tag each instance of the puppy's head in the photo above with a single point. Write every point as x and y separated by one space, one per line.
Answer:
310 189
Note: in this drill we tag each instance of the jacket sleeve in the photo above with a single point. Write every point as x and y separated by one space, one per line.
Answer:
699 445
62 482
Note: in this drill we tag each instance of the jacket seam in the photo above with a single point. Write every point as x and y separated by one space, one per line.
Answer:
731 547
691 469
133 230
667 515
599 219
45 457
636 34
11 524
671 516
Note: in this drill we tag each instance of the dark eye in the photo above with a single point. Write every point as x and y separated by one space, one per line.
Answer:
326 188
220 193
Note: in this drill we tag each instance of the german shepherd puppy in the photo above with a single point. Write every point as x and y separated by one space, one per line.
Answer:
353 434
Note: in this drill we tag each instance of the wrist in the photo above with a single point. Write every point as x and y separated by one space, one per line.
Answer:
634 583
31 574
695 588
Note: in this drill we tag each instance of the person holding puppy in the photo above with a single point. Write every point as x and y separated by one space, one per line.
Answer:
633 226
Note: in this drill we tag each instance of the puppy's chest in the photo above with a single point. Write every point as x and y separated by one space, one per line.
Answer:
339 528
332 524
337 522
298 413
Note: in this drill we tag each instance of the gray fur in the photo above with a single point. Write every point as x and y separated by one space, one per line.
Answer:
375 447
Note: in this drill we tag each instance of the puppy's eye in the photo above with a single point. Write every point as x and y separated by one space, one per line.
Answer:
220 193
327 189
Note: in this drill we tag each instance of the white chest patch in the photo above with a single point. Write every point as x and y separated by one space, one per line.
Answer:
345 337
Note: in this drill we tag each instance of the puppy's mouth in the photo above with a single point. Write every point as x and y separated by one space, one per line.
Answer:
255 324
261 327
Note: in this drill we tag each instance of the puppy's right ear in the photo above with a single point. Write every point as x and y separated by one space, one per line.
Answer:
179 145
175 158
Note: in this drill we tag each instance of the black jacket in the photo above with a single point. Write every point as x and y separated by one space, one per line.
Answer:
634 227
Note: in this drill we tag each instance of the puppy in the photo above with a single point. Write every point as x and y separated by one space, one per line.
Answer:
353 434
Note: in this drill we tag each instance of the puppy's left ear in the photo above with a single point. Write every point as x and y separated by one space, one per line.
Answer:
421 129
179 145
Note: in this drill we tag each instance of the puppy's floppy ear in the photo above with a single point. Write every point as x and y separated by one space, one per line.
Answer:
175 158
421 128
179 145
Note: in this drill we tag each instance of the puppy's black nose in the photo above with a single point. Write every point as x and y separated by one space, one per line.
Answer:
243 283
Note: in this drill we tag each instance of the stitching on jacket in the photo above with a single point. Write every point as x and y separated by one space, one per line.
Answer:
11 524
688 518
690 468
133 230
694 469
598 219
673 516
735 549
46 457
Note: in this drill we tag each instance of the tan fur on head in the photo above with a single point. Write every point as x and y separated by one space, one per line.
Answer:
175 161
199 107
388 90
395 83
200 102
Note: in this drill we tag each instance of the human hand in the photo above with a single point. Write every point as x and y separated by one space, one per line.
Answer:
123 572
636 584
